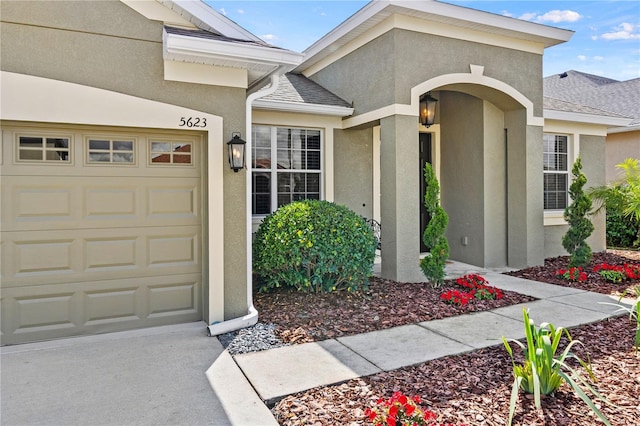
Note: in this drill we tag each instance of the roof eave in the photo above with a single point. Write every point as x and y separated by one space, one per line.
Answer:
180 46
546 35
550 114
211 18
624 129
305 108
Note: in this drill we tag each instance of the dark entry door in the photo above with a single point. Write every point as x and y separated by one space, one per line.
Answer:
425 157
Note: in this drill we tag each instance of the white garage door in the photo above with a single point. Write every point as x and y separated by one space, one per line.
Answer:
101 230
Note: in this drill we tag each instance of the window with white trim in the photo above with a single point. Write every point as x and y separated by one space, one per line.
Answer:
170 153
44 148
556 171
104 150
286 166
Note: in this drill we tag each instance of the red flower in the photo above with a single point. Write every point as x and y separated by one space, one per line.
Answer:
391 421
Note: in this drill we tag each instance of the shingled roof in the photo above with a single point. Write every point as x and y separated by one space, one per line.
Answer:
591 92
299 89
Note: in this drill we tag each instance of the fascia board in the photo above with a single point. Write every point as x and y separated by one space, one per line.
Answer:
285 106
214 19
625 129
207 48
548 36
550 114
473 16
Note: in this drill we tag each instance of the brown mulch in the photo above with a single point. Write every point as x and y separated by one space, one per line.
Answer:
595 282
306 317
472 388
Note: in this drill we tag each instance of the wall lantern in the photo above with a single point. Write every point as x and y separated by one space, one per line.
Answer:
236 152
427 110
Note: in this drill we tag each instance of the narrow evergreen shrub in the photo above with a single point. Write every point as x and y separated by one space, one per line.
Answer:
433 263
580 227
314 246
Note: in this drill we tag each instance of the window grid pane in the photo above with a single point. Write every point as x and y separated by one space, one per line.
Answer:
170 153
110 151
35 148
556 171
297 174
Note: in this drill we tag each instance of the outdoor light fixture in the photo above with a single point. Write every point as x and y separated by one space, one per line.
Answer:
427 110
236 152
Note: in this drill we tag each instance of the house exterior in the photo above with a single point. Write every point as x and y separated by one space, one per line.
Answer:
606 97
119 209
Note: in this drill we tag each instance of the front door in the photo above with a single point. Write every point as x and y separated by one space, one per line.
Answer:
425 157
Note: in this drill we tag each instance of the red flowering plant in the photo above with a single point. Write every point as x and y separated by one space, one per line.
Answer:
617 273
572 274
478 286
399 410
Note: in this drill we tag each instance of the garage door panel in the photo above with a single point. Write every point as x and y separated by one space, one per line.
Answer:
43 312
99 242
50 257
72 203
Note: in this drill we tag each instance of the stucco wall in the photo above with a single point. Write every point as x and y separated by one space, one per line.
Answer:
108 45
417 57
619 147
353 163
592 152
462 174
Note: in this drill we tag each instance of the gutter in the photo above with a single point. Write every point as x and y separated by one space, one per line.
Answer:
252 316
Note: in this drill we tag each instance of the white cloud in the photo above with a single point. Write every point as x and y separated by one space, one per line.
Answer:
582 57
598 58
507 13
241 11
624 31
224 12
528 16
269 37
557 16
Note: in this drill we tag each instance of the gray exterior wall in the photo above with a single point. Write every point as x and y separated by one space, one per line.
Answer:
106 44
412 58
353 165
592 152
462 174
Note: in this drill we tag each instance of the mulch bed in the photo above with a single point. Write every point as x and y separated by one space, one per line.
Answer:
306 317
471 389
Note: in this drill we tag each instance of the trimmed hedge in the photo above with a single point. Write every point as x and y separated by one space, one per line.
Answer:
314 246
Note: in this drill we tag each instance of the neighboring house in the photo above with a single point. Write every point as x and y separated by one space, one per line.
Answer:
606 97
119 209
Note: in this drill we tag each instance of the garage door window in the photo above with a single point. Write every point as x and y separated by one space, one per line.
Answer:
41 148
110 151
170 153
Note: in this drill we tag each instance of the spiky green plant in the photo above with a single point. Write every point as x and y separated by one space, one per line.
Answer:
543 371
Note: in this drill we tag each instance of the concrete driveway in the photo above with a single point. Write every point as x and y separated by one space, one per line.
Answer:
171 375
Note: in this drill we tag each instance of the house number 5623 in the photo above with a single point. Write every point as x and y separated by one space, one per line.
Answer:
193 122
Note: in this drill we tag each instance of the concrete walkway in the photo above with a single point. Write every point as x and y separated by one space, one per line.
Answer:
279 372
176 376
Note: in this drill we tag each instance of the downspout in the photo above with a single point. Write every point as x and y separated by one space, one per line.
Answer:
252 314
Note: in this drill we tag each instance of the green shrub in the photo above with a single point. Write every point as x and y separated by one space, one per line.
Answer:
433 263
314 246
580 227
621 228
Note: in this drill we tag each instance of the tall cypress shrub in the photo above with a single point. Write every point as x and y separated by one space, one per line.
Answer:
433 263
580 226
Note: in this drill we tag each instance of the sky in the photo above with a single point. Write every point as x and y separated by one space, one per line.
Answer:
606 40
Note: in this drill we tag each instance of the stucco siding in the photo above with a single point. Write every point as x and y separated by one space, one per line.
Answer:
107 45
462 175
592 153
353 163
419 57
620 146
